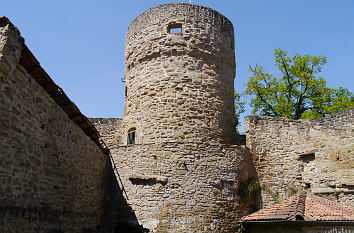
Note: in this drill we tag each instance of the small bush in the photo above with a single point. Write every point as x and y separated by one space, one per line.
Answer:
249 189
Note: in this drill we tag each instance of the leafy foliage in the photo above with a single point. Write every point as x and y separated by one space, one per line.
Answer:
299 92
239 107
249 189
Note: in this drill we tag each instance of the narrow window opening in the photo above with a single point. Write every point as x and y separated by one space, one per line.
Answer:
131 136
307 157
175 28
126 91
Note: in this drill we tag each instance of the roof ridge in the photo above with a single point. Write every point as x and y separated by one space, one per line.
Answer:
300 207
303 206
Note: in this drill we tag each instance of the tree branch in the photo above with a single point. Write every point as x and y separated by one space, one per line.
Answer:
298 113
264 101
288 79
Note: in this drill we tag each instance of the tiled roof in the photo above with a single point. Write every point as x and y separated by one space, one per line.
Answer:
318 208
303 206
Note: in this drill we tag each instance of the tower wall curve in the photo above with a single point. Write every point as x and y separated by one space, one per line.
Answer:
180 69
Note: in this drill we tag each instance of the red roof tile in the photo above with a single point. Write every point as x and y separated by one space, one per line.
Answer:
318 208
303 206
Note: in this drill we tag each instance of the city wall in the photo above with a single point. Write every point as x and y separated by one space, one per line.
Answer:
183 173
110 130
51 171
177 187
293 154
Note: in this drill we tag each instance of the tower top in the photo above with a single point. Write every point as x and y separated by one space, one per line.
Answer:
187 11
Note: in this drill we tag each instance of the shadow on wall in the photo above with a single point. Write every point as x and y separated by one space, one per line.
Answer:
241 139
250 191
118 216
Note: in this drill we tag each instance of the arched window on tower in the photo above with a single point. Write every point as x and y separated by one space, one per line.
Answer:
131 136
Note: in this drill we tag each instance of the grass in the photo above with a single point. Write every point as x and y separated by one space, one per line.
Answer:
275 196
249 189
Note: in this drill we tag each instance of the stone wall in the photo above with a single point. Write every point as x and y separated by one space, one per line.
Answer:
51 172
294 154
179 86
110 130
182 174
175 187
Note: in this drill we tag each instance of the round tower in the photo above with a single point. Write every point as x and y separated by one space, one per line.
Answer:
180 69
183 172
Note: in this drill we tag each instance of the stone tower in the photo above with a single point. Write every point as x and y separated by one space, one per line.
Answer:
174 148
180 69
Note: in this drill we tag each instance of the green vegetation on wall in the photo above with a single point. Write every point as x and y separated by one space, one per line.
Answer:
249 189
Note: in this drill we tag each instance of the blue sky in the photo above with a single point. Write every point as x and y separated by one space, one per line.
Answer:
81 43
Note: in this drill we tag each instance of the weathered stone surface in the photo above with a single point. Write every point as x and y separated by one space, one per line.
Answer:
295 154
109 128
51 172
200 188
180 86
183 173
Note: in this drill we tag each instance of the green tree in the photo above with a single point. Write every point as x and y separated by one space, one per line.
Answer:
239 108
299 93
